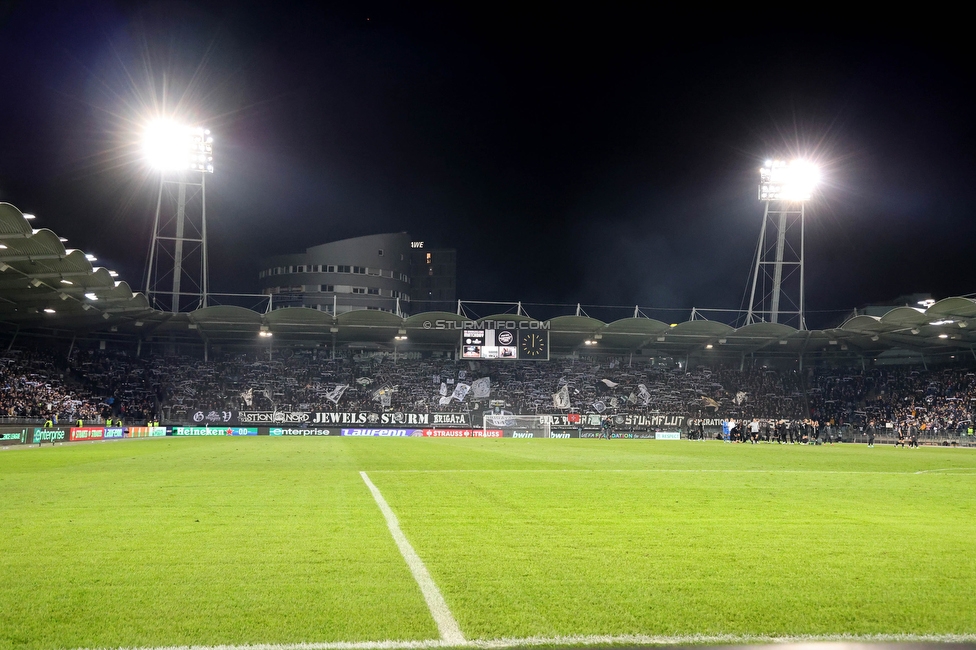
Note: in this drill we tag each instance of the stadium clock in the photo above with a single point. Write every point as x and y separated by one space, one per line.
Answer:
533 345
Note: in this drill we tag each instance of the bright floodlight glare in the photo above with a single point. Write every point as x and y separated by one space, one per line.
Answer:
29 216
172 147
788 181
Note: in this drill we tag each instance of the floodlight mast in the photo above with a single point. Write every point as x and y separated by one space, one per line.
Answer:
183 156
784 188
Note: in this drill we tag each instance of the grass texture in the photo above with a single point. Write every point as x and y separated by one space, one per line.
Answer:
277 540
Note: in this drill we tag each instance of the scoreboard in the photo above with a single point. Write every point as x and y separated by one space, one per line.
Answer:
531 344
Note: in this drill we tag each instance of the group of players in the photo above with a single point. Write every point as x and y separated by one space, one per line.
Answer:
800 432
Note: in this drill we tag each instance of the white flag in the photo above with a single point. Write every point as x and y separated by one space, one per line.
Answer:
334 394
444 401
364 381
560 399
609 384
481 388
645 395
443 390
613 402
599 407
460 391
248 397
740 398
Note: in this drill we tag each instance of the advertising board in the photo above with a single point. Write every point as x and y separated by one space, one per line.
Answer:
49 435
215 431
87 433
282 431
462 433
564 434
114 432
145 432
13 436
526 432
667 435
385 433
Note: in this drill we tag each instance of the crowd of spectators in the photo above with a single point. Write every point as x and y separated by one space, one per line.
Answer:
91 385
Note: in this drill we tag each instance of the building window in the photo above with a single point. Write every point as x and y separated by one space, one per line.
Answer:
380 252
329 268
328 288
344 269
359 289
429 261
361 270
373 291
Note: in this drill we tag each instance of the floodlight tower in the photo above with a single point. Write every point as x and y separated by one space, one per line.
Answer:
183 156
784 188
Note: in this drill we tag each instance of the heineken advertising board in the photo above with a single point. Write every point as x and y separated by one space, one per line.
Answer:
215 431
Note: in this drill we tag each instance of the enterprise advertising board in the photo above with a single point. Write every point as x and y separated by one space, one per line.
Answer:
284 431
49 435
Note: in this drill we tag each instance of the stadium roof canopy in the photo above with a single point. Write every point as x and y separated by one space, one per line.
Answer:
45 287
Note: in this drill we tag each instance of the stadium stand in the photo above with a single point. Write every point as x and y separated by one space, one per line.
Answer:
94 385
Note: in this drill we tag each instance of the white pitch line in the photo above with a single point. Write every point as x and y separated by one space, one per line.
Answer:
588 640
653 470
446 624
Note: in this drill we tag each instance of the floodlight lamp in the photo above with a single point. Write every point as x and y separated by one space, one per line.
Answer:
943 336
48 310
709 346
29 216
3 247
91 295
788 181
169 147
90 257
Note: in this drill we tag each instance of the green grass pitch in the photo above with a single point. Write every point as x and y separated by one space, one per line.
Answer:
278 540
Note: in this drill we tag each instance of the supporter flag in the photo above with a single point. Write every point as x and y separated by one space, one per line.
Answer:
462 374
481 388
334 394
444 401
443 390
631 399
645 395
709 403
560 399
460 391
740 398
608 383
248 397
599 407
613 402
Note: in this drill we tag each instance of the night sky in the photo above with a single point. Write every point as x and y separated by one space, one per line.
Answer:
600 156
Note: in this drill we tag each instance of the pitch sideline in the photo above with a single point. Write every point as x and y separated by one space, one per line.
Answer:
446 624
589 640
